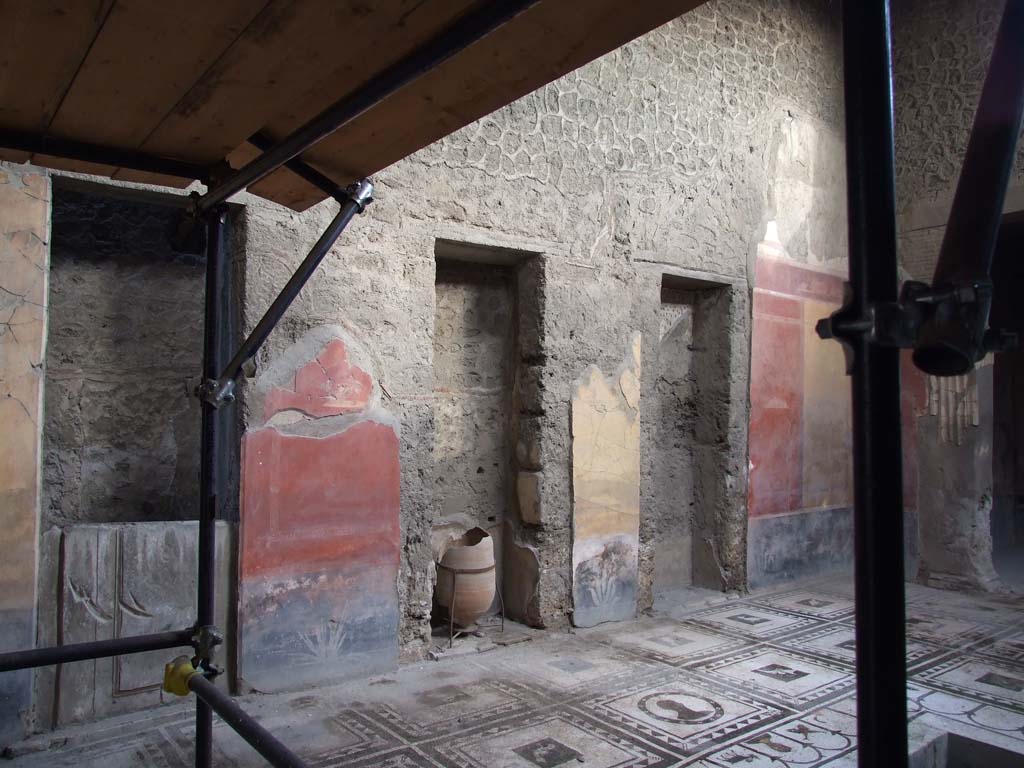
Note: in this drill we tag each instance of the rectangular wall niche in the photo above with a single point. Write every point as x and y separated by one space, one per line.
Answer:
121 432
120 490
691 445
477 362
675 413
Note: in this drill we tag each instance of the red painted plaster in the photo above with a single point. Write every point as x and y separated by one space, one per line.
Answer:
781 277
313 504
776 405
327 386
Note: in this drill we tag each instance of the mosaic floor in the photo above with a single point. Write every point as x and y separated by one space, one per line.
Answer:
766 680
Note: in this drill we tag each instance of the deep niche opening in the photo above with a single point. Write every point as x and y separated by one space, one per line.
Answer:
124 352
476 361
691 444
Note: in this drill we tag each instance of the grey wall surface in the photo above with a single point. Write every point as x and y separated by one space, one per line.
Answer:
670 156
799 545
666 156
124 351
941 52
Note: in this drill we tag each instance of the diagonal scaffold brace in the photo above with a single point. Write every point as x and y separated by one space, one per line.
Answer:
219 389
182 677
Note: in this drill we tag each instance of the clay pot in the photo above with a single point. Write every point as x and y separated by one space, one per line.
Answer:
470 559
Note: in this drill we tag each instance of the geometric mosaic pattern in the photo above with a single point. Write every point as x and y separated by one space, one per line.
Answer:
767 680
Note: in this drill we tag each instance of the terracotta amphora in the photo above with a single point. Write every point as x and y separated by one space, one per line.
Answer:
470 561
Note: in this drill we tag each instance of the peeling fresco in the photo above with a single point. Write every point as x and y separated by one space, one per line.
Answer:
606 492
319 529
800 490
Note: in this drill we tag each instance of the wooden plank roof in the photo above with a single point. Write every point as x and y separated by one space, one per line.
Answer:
194 79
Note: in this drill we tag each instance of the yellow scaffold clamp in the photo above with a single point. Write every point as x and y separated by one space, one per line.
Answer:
177 674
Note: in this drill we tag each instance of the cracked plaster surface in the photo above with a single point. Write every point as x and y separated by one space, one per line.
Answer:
24 234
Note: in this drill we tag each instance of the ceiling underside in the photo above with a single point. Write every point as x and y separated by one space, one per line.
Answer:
192 80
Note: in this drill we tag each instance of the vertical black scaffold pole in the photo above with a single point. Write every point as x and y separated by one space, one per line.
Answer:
877 459
215 326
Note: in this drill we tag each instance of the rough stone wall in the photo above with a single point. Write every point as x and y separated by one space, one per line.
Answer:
675 406
667 156
124 351
941 52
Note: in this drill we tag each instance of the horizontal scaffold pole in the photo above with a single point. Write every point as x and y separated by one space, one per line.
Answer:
99 649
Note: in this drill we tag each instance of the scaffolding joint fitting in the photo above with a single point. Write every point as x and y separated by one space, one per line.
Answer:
205 640
944 325
360 193
216 392
177 674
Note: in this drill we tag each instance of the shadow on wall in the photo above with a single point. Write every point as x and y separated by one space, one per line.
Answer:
1008 408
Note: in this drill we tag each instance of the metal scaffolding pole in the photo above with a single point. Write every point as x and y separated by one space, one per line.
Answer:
218 385
877 457
215 324
869 324
258 737
953 336
100 649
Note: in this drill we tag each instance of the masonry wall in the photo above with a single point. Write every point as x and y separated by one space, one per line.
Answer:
941 52
675 406
674 157
120 461
669 156
474 330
